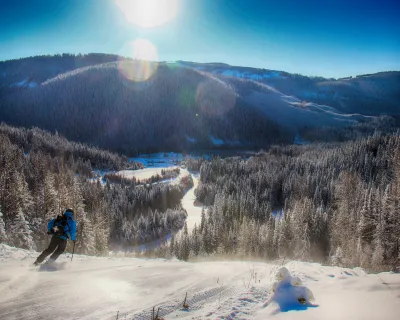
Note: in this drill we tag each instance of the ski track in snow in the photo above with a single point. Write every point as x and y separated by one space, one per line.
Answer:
98 288
188 203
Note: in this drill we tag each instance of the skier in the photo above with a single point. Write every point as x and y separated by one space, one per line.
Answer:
62 228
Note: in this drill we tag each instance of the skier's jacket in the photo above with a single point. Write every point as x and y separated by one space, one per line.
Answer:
63 227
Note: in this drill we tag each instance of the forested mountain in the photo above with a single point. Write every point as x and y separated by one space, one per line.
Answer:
98 99
335 203
369 94
31 72
41 174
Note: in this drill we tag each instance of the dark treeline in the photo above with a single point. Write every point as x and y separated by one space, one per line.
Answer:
335 203
37 185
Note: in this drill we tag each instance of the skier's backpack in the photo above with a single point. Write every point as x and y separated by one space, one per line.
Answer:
59 226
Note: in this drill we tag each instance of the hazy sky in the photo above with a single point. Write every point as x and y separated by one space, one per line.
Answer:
331 38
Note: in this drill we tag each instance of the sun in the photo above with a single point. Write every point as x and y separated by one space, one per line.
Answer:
148 13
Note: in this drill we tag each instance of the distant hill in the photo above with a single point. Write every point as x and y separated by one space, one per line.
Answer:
181 106
370 94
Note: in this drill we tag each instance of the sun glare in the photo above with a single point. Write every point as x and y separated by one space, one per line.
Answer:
148 13
145 62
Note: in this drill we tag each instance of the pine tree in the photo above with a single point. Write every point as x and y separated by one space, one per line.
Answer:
101 236
85 235
203 220
76 197
337 258
172 245
25 198
196 246
21 235
185 244
367 223
285 237
50 196
3 235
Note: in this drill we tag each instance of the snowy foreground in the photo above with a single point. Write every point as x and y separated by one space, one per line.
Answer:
99 288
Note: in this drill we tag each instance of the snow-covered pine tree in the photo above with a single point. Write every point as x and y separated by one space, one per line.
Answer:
85 235
64 189
203 220
172 245
367 223
185 244
101 241
337 257
25 198
76 197
285 237
50 198
20 233
196 244
3 235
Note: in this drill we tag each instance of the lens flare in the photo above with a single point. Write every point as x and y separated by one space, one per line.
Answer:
144 65
148 13
215 98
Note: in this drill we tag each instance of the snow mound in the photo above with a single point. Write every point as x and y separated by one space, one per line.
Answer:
288 293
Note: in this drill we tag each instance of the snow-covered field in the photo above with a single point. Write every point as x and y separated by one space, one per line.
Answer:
99 288
141 174
153 164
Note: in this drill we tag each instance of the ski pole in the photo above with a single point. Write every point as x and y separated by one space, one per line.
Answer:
73 250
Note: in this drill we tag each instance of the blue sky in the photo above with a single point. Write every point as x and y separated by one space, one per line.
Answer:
331 38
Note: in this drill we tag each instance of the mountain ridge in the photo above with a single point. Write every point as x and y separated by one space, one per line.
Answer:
145 106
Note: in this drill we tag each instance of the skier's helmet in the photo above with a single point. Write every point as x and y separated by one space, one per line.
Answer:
69 210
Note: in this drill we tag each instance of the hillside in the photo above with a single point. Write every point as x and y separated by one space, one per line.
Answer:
31 72
175 109
369 94
101 288
182 106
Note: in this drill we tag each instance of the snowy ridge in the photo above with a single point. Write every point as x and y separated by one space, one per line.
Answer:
249 75
99 288
75 72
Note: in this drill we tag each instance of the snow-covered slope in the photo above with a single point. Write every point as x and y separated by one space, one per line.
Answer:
370 94
99 288
293 113
189 204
